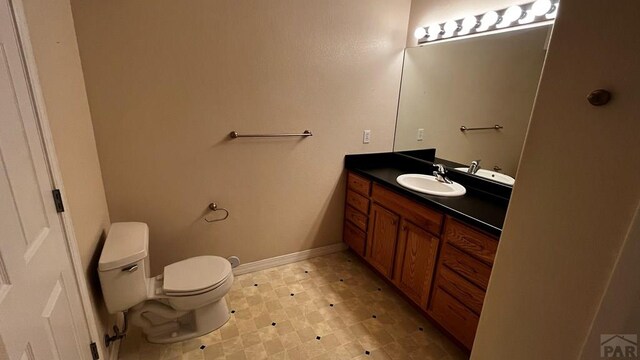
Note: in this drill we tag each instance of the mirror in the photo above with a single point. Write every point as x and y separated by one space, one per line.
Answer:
476 82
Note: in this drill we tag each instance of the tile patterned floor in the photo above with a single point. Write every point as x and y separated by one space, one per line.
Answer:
329 307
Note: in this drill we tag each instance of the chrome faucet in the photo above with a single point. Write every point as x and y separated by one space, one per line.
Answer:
474 167
440 174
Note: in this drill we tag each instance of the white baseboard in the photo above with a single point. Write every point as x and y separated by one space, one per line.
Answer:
288 258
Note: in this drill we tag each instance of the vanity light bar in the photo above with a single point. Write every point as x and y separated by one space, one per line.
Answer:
513 16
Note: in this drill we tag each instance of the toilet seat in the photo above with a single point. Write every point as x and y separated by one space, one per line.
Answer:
195 275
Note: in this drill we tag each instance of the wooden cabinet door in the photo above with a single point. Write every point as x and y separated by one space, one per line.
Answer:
415 262
382 238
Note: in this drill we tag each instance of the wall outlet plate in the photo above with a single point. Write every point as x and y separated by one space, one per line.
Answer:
366 137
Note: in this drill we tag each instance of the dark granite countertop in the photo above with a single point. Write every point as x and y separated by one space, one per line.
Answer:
483 206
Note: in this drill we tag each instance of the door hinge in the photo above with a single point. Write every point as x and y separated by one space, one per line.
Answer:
57 200
94 351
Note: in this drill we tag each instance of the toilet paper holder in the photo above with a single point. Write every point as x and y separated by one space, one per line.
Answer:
214 207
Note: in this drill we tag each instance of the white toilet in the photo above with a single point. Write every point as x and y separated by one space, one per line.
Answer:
186 301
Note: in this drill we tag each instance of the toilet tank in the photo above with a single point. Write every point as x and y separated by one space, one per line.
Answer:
123 267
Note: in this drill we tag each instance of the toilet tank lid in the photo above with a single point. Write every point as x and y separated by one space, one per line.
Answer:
127 243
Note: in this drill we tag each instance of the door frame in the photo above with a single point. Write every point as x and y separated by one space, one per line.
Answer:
24 40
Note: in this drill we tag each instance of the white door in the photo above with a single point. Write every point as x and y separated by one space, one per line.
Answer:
41 315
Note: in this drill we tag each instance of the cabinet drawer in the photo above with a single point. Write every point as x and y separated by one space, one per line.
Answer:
354 237
454 316
471 241
422 216
466 292
357 218
358 202
358 184
466 266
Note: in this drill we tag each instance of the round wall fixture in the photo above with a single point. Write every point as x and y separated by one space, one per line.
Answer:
599 97
234 260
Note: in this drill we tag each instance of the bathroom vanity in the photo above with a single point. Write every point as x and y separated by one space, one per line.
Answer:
403 219
436 251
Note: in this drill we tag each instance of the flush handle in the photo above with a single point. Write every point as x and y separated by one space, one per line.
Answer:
131 268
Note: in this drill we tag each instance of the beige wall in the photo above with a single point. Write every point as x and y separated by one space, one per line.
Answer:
576 191
475 82
619 311
167 81
3 352
55 50
426 12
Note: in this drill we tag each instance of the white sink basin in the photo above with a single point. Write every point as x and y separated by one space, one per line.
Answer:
428 184
492 175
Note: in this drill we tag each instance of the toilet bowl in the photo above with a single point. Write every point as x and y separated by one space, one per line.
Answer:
185 301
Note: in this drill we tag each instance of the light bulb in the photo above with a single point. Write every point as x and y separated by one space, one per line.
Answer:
512 14
541 7
434 31
554 13
529 17
467 24
420 33
449 28
488 19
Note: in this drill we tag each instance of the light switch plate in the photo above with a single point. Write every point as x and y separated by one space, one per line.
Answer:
366 137
420 134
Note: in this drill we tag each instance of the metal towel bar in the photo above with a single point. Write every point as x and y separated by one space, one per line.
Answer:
494 127
235 135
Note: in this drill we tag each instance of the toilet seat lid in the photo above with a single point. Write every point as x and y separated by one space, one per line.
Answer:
195 274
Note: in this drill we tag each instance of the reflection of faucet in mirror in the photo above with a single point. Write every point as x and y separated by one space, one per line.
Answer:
474 167
440 174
